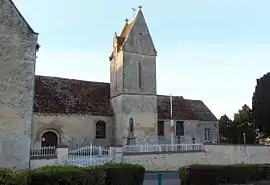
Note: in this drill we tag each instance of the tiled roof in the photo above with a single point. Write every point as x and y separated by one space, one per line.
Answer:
183 109
68 96
121 39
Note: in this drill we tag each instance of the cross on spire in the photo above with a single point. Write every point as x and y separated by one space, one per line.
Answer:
140 7
126 20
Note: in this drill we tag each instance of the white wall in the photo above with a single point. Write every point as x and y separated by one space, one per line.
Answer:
214 154
38 163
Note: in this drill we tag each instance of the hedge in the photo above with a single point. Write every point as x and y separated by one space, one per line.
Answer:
223 174
124 174
108 174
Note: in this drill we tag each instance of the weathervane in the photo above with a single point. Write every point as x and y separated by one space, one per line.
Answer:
134 12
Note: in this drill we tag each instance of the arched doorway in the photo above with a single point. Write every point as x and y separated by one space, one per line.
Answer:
49 138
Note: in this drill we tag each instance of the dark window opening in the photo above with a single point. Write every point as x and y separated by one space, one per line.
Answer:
208 135
100 130
140 75
160 128
179 128
49 139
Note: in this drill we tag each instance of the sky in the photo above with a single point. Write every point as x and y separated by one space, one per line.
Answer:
207 49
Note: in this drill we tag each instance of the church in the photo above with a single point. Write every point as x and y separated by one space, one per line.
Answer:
77 113
37 111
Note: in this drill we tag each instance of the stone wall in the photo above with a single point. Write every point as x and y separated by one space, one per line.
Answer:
72 130
213 154
38 163
17 69
60 158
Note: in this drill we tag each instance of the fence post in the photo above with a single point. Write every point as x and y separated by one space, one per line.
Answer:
160 178
100 150
119 155
62 154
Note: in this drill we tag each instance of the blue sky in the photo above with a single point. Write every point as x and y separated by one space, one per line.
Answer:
207 49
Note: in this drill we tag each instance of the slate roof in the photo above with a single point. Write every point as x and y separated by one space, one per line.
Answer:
69 96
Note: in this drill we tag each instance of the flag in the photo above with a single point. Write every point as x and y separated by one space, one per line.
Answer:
171 128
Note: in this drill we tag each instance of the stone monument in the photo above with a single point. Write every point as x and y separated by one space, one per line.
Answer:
131 140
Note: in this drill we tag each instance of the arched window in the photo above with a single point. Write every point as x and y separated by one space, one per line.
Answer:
49 138
100 130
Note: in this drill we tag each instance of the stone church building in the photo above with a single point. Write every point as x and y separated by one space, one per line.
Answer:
48 111
76 112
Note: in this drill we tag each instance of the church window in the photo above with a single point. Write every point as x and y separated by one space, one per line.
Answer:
160 128
208 135
140 75
100 130
179 128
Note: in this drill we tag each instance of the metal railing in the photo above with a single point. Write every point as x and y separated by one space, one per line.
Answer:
89 156
163 148
43 152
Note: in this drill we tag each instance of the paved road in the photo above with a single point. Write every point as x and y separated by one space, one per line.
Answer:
169 178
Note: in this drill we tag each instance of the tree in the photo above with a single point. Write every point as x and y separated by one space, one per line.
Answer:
261 105
239 130
246 129
227 130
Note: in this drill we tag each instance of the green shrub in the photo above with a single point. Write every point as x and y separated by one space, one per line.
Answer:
108 174
54 176
66 176
124 174
9 177
223 174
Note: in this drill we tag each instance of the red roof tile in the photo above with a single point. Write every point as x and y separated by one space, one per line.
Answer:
183 109
68 96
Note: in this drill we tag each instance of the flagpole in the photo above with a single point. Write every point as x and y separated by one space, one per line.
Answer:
171 125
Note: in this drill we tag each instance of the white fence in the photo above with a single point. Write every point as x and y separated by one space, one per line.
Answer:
43 152
90 156
163 148
96 155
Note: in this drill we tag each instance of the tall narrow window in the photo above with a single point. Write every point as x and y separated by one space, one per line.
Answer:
160 128
140 75
116 76
100 130
179 128
208 135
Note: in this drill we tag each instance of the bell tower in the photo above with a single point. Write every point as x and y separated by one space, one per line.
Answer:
133 81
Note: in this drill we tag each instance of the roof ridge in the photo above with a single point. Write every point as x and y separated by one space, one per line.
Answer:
66 78
172 96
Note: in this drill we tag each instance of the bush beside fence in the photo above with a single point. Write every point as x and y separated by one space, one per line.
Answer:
223 174
108 174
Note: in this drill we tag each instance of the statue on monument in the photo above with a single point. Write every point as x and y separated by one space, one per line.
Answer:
130 137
